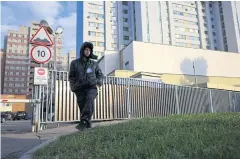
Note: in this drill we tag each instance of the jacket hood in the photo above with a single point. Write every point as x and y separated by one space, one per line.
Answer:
89 45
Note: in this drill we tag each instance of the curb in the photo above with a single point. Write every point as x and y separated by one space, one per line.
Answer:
29 154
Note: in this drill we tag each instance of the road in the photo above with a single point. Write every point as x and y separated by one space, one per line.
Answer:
16 138
23 126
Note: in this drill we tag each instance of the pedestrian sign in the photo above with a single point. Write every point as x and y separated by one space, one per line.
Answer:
41 37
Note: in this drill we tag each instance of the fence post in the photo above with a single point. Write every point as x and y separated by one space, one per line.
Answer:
230 100
36 109
234 102
128 100
177 100
211 102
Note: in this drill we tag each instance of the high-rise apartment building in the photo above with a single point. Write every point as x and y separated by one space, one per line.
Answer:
113 25
3 57
70 57
16 73
206 25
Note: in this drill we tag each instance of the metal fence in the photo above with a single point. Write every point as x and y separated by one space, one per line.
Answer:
124 98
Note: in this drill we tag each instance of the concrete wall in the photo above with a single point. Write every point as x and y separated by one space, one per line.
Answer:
158 58
229 83
127 56
110 62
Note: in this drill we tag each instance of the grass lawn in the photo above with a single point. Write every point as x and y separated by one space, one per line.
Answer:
202 136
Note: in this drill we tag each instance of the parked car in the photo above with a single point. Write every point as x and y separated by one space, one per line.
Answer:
3 117
21 115
9 115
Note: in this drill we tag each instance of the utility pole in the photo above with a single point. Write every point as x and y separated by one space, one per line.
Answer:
194 69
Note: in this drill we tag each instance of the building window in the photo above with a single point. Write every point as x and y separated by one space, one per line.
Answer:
127 65
15 51
92 33
22 41
96 15
93 42
214 34
225 47
212 19
224 32
114 45
100 25
10 45
206 32
203 10
125 3
10 50
125 28
11 34
95 6
213 26
225 40
215 48
125 20
99 34
91 24
101 44
126 37
125 11
215 41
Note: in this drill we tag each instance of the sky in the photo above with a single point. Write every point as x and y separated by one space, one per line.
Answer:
15 14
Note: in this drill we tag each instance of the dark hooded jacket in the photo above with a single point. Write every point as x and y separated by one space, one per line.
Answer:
84 72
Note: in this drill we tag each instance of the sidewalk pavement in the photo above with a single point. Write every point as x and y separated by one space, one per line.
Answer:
16 145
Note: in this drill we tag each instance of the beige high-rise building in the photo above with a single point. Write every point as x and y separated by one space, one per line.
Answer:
70 57
3 59
16 71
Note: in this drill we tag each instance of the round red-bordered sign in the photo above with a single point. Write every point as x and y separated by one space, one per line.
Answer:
41 54
41 71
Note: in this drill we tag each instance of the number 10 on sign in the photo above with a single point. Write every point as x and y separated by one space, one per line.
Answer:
41 54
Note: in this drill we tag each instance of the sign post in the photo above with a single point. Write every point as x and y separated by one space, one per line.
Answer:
41 54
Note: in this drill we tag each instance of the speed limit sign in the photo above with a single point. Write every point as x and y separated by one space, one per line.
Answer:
41 54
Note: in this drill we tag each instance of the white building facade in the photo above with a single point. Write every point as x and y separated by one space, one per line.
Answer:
179 60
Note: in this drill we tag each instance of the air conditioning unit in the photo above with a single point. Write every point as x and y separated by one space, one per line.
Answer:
97 18
110 20
88 17
97 27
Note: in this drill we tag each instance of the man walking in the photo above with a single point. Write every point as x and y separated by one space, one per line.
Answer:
84 76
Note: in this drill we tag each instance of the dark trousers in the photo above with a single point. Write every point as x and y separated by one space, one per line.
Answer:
85 100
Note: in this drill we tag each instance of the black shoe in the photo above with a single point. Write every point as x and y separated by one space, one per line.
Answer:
89 124
82 125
